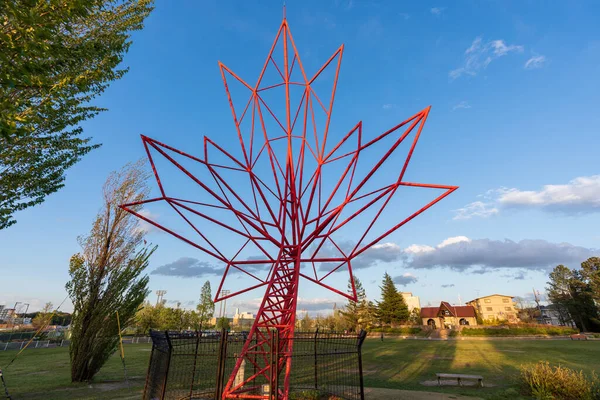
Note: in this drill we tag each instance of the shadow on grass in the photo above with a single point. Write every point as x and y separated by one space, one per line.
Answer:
402 364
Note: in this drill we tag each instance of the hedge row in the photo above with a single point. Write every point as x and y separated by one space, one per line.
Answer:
400 331
520 331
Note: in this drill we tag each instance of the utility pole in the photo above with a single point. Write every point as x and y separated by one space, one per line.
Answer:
159 296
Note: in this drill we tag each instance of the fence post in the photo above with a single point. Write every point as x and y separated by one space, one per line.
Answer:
61 342
316 381
168 365
361 338
276 380
195 361
149 369
271 355
221 364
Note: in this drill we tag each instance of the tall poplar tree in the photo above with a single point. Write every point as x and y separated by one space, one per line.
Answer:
206 307
106 276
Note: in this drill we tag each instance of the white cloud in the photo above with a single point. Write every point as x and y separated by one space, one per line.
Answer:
382 252
486 254
404 15
453 240
388 106
476 209
144 226
418 248
480 255
189 267
516 276
479 55
535 62
310 305
405 279
437 10
462 104
580 196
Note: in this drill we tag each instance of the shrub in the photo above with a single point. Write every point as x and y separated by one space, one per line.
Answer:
595 386
545 382
400 331
519 331
305 395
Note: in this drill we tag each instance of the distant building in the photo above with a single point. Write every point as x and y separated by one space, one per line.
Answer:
243 320
552 315
244 315
448 316
20 321
495 307
411 301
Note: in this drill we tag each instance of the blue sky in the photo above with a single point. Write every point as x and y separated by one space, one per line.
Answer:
513 88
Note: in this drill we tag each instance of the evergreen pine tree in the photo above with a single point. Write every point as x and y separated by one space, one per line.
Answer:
354 311
392 309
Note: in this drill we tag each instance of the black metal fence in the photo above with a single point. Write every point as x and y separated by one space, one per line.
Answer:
197 365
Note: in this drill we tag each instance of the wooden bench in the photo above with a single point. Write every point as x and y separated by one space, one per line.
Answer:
459 378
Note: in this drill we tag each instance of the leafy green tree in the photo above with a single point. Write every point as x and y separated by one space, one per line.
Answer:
147 318
392 309
106 277
590 272
206 307
572 296
306 323
42 318
222 323
56 56
415 317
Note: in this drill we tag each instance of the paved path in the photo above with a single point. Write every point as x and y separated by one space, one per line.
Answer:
386 394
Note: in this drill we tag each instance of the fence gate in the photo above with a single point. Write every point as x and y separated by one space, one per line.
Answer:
197 365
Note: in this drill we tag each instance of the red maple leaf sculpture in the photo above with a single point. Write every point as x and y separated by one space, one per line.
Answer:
284 196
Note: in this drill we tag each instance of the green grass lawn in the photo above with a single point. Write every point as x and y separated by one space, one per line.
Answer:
394 363
45 374
403 364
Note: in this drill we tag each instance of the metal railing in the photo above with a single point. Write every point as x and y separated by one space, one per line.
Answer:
51 343
192 365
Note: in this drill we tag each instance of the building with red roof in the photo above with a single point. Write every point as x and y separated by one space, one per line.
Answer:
448 315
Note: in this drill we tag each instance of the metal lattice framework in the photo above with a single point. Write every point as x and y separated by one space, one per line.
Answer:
286 195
